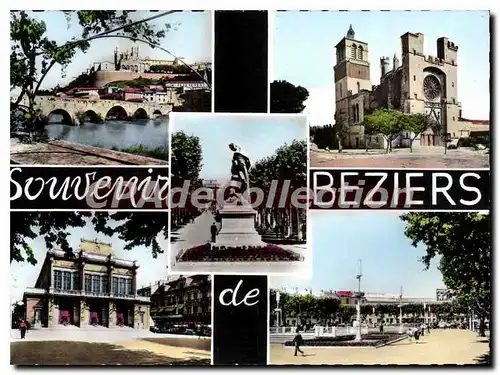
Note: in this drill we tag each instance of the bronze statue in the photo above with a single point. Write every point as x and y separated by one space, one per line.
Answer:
240 167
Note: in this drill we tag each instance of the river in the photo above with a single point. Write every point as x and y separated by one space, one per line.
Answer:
114 134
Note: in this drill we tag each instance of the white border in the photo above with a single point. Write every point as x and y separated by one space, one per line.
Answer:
306 264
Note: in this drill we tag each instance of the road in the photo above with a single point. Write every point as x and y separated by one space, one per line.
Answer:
198 233
435 158
451 346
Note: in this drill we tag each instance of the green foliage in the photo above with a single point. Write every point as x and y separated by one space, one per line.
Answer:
134 228
287 98
134 83
462 241
386 122
174 69
288 163
324 136
187 157
159 153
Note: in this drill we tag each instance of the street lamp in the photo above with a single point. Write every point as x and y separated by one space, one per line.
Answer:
444 124
358 296
401 328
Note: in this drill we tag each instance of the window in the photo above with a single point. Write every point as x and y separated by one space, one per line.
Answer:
353 51
358 86
414 78
88 283
415 95
66 280
452 62
57 279
453 84
453 118
360 53
121 285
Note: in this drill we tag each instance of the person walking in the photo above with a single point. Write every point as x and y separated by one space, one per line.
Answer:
428 329
213 231
422 329
409 332
298 340
416 334
22 328
382 327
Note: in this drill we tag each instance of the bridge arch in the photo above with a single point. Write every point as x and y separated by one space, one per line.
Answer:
157 113
116 113
140 114
65 117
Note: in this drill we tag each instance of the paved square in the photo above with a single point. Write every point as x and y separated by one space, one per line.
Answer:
430 157
451 346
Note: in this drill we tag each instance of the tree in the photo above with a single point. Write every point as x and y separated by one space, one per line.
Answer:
134 228
287 98
415 123
187 156
463 243
33 55
386 122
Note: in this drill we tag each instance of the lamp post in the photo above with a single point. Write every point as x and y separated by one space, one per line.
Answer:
401 328
444 124
358 306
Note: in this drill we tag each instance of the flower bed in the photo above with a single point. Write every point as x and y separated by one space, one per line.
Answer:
268 253
370 340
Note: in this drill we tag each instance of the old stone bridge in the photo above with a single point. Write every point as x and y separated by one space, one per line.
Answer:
74 110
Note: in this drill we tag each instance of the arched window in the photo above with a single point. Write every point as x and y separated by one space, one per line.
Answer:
357 112
353 113
357 84
360 53
353 51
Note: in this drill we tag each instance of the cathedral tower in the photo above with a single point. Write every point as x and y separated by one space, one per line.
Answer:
352 73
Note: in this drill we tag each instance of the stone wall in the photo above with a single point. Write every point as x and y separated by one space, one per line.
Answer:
104 77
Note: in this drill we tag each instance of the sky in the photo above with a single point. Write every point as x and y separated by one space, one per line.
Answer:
304 51
340 239
24 275
259 136
190 38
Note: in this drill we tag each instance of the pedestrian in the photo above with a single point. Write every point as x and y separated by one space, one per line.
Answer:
298 340
382 327
422 329
409 332
428 329
213 231
416 334
22 328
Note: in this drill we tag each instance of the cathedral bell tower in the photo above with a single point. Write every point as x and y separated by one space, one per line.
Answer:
352 72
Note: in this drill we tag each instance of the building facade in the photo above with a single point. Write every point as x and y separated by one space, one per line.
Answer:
87 287
418 84
183 300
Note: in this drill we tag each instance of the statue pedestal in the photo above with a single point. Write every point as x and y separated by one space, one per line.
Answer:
238 227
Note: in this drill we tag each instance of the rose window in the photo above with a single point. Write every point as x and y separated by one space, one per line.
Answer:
432 87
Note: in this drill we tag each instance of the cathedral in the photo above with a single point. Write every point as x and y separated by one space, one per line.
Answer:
416 84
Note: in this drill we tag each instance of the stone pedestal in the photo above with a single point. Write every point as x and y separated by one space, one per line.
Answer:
238 227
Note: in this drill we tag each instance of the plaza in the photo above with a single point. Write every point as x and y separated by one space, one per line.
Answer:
104 346
450 346
421 157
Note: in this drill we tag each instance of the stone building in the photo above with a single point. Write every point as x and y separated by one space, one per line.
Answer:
416 84
182 300
89 287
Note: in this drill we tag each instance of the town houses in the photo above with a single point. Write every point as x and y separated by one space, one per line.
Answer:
180 300
87 287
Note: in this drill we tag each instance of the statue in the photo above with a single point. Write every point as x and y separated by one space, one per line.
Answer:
240 166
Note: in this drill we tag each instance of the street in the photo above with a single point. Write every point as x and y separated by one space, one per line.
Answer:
430 157
198 233
451 346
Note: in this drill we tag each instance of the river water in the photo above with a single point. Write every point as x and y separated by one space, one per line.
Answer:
114 134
